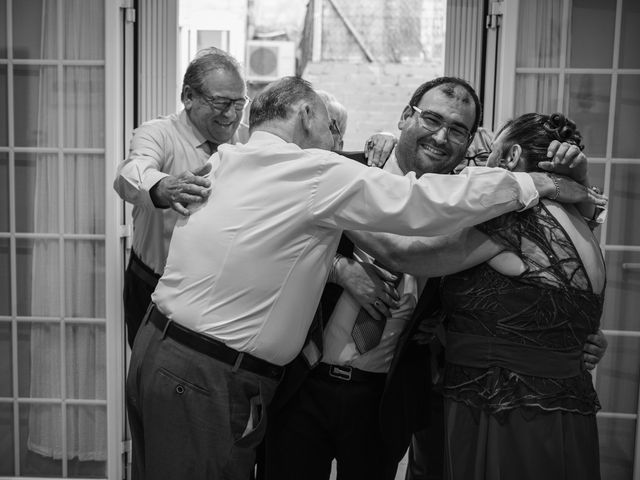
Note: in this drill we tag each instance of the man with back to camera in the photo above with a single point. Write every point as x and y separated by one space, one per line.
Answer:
333 409
245 272
165 167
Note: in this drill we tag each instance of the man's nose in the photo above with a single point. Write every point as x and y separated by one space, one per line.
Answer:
441 134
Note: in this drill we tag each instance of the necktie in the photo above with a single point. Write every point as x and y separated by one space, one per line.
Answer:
367 331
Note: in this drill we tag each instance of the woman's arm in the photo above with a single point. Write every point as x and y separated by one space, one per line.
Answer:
428 256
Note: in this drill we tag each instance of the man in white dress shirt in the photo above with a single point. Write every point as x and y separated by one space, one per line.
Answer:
245 272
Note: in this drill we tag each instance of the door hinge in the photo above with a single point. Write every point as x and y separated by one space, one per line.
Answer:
126 459
126 230
129 11
494 18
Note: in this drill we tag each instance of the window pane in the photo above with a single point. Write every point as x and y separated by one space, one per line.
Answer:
624 198
4 192
6 349
35 106
37 192
84 40
4 113
596 177
29 17
3 36
622 302
42 426
38 294
6 439
84 193
539 34
587 104
630 38
87 441
39 360
86 361
617 440
84 106
5 277
591 36
536 93
618 375
85 279
626 141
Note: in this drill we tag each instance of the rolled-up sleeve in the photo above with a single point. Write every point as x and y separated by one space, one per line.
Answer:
141 170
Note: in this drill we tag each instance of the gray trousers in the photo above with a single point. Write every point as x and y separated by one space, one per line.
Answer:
191 416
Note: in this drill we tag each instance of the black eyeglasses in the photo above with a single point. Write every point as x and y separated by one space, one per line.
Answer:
479 159
433 122
222 104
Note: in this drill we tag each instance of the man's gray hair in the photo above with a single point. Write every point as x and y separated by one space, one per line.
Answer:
337 111
206 60
275 101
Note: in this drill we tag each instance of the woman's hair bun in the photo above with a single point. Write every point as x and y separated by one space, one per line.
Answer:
563 129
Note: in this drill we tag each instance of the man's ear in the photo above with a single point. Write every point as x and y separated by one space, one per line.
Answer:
406 114
188 96
514 155
305 113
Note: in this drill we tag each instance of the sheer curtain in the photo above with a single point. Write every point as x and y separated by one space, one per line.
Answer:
80 368
539 43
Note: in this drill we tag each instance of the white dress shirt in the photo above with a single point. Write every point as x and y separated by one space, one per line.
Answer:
161 147
248 266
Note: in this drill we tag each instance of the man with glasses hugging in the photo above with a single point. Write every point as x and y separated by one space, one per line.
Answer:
165 169
361 406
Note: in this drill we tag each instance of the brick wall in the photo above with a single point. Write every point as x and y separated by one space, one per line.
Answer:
374 94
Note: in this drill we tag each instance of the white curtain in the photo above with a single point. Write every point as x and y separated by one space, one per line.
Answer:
539 42
83 361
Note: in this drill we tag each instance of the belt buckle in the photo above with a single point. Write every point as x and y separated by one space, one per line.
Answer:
342 373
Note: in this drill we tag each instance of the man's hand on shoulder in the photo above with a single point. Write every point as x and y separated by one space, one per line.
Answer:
178 192
378 148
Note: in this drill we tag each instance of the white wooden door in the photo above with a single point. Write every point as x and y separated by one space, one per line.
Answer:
61 366
580 57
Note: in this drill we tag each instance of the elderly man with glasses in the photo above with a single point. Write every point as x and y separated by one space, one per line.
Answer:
165 169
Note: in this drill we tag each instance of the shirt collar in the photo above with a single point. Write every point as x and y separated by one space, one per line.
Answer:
195 137
392 166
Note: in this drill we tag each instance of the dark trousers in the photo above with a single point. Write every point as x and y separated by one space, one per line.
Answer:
426 452
139 283
192 417
329 418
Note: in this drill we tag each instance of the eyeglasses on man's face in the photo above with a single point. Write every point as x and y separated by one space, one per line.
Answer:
479 159
222 104
433 122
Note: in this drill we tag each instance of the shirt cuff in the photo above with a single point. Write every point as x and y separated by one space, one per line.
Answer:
528 193
150 179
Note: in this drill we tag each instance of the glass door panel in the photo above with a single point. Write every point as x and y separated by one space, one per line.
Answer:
587 99
592 33
54 392
626 143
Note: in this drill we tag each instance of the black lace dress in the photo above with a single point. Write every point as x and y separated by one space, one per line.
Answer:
519 402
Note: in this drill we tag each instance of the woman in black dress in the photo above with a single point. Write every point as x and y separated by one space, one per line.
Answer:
519 403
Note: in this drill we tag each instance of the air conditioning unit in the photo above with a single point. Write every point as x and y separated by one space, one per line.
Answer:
268 60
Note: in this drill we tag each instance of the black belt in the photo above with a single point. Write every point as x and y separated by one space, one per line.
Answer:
142 271
347 374
213 348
